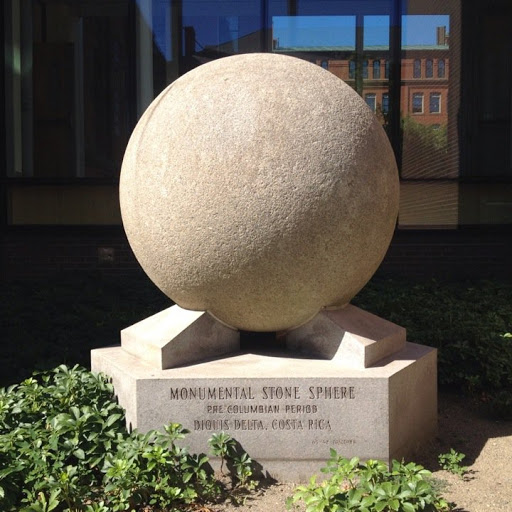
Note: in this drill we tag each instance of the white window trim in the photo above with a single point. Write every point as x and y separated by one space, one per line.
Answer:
430 103
422 95
374 96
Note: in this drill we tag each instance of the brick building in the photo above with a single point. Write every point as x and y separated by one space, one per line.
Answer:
425 81
78 74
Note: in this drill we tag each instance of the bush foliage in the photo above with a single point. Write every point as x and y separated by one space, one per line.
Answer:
64 447
49 324
470 324
370 487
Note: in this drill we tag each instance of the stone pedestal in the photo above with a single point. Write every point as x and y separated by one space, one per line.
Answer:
348 381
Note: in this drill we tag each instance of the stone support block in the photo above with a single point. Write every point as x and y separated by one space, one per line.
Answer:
176 337
355 338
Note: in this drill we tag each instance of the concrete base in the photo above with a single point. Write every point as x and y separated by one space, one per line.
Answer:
287 411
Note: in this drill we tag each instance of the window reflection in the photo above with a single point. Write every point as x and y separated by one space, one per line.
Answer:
385 103
417 103
376 69
371 101
435 104
216 28
352 69
429 106
314 32
417 68
70 111
440 68
354 46
429 68
89 68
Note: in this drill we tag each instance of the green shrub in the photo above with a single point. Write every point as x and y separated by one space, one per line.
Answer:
64 447
59 321
469 324
370 487
49 324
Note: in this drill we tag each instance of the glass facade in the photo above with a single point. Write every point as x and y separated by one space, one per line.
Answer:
78 75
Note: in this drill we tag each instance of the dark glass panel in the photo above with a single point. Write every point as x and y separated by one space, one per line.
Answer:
429 68
417 68
376 69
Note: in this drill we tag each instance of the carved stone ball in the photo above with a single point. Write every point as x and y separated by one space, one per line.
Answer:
260 188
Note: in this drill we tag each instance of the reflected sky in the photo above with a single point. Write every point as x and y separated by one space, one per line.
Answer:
420 30
305 31
216 22
340 31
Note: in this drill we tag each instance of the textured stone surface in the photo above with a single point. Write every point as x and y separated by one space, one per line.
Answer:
176 337
286 412
355 338
259 188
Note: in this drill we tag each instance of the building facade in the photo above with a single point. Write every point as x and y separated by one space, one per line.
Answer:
78 74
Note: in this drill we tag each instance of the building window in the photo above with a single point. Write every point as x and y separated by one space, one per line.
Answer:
386 69
417 68
371 101
435 102
385 103
60 122
365 69
429 68
417 103
376 69
440 68
325 64
352 69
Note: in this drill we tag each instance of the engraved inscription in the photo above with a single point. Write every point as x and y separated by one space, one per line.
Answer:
279 392
277 408
220 393
331 392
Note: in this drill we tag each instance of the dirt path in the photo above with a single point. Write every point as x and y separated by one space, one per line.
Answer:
488 448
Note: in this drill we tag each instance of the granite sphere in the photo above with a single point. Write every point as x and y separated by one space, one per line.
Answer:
260 188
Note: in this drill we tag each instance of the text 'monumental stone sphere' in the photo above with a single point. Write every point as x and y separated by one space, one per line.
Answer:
260 188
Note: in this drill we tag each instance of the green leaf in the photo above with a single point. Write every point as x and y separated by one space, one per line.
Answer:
408 507
53 502
112 419
394 504
79 454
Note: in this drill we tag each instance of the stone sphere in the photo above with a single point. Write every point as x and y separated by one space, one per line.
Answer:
260 188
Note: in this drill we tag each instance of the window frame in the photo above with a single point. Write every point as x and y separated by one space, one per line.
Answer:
385 104
416 69
429 68
352 69
376 69
437 95
421 96
372 96
441 64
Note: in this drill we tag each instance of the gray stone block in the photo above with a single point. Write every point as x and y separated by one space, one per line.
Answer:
355 338
175 337
286 412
